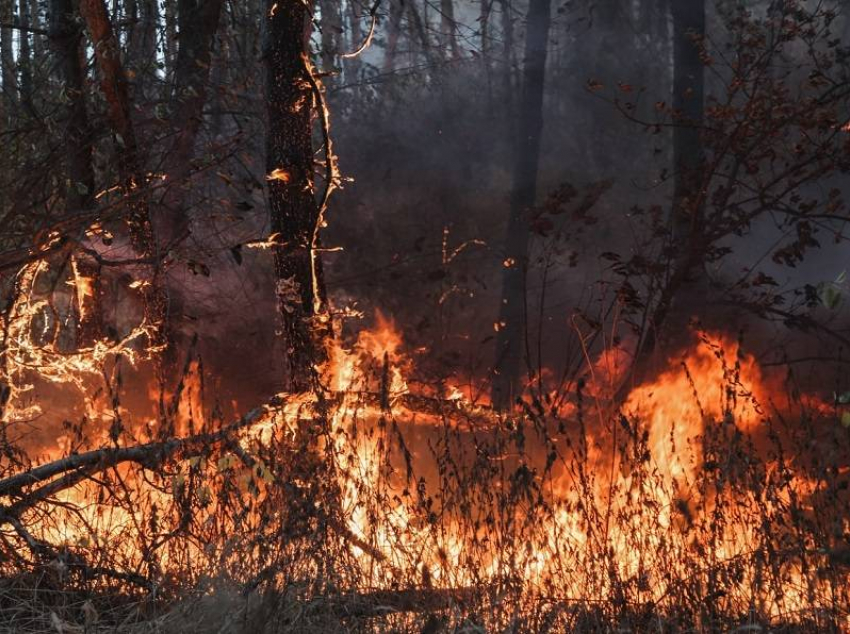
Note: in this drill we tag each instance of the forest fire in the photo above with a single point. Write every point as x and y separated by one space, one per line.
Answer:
548 332
674 488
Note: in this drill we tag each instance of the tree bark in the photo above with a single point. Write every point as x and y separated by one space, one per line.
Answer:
448 35
352 64
144 15
685 284
25 54
331 11
198 21
393 33
688 106
7 58
512 315
65 37
295 213
114 85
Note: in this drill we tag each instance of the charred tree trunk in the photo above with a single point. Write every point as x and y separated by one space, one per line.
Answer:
512 315
295 213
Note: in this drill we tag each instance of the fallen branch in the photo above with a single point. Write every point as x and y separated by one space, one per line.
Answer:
80 466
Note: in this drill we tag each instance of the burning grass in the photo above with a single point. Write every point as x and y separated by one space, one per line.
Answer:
713 498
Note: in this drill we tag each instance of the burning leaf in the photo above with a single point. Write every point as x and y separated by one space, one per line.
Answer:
278 174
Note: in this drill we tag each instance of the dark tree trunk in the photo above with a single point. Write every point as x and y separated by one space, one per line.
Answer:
393 33
508 68
38 37
448 36
294 210
198 22
7 58
331 11
142 45
25 54
65 37
510 338
114 85
170 37
688 106
352 64
685 289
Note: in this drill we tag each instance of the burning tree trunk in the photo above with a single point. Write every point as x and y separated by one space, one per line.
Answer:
296 216
512 317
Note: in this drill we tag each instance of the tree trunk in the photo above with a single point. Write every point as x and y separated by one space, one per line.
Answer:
331 11
113 83
512 315
685 287
144 15
448 36
198 22
393 33
24 54
688 106
170 37
295 213
37 38
508 68
66 36
7 58
352 64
